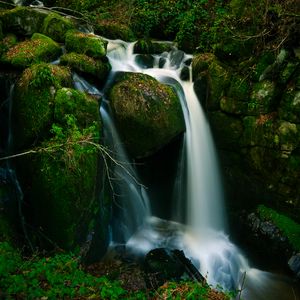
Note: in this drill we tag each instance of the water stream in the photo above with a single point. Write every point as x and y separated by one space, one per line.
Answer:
203 237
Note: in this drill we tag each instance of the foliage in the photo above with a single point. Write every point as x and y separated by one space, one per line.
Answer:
289 227
57 277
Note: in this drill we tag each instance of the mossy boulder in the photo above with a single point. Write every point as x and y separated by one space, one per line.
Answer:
233 106
146 46
81 63
83 107
8 41
201 62
56 26
84 43
114 30
23 21
239 88
263 62
1 31
148 114
34 101
39 48
289 108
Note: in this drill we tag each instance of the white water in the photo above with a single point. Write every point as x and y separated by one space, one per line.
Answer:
202 238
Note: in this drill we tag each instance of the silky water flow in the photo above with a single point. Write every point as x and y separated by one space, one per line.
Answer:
203 236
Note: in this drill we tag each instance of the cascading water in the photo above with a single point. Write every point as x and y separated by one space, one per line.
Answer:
202 238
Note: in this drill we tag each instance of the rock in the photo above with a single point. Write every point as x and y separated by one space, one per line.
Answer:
289 108
233 106
84 43
239 88
144 60
1 32
162 265
148 114
176 58
287 73
146 46
39 49
34 101
262 98
263 62
56 26
227 130
88 66
201 62
294 264
22 21
185 73
113 30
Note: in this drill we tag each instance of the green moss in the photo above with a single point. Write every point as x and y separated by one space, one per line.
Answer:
84 43
289 108
289 228
87 65
7 42
1 31
56 26
265 60
201 62
34 99
22 20
239 88
39 49
148 113
83 107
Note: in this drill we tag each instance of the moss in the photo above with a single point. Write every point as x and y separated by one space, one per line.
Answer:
83 107
1 31
233 106
22 20
7 42
219 81
265 60
239 88
146 46
84 43
114 30
86 65
289 108
33 101
56 26
39 49
288 227
262 98
148 113
201 62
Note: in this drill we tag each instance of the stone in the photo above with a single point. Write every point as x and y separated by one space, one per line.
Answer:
97 69
176 57
294 264
147 113
289 107
39 48
56 26
85 43
145 61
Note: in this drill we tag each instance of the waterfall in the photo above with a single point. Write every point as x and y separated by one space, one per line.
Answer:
202 237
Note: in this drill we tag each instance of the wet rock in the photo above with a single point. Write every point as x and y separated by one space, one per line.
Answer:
146 46
176 57
148 114
145 61
185 73
162 265
289 108
294 264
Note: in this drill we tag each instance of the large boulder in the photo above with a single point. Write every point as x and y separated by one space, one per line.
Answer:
34 101
39 48
148 114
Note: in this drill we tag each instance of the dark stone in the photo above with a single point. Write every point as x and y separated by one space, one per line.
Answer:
185 73
294 264
176 57
144 60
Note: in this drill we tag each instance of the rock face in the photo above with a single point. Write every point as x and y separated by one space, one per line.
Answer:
147 113
254 114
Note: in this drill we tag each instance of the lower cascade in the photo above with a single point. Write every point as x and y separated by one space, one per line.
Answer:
203 235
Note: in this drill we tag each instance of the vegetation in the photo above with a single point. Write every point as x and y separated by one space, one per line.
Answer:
289 228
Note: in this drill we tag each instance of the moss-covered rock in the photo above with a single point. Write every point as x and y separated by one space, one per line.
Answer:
113 30
83 107
148 114
227 130
265 60
289 108
39 49
95 68
262 98
8 41
1 31
219 81
84 43
233 106
201 62
56 26
34 101
239 88
146 46
22 20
